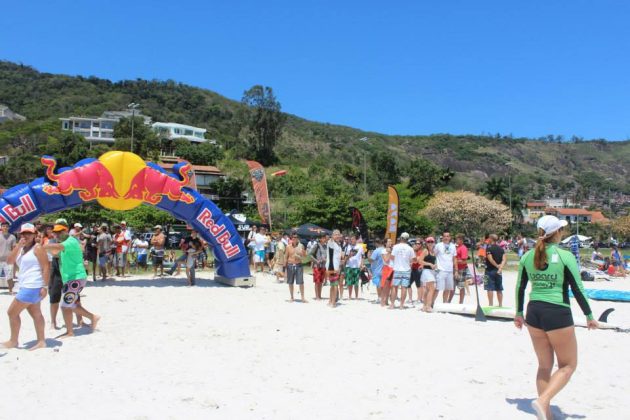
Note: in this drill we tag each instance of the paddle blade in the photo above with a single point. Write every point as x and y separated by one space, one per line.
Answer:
479 315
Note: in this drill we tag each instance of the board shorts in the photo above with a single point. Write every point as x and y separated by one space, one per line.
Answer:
71 293
102 260
401 278
158 258
548 316
319 274
376 278
333 278
55 284
6 271
444 280
295 274
142 260
29 295
121 259
352 276
416 276
427 276
493 281
464 274
259 257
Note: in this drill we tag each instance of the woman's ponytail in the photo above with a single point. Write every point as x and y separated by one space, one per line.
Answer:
540 252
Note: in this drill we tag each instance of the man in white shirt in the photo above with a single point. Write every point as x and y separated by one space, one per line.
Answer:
446 256
402 256
260 241
354 262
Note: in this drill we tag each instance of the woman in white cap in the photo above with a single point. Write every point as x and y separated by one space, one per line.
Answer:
33 264
551 271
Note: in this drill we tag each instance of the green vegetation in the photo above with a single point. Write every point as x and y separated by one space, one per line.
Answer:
330 167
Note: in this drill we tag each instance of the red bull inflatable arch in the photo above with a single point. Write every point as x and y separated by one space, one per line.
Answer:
122 181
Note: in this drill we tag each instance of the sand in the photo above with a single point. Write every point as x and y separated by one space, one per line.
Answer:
164 350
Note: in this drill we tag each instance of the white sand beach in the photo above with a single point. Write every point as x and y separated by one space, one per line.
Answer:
164 350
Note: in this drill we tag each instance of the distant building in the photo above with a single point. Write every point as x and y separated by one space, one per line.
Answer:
534 210
7 115
98 129
4 160
577 215
205 176
559 202
172 131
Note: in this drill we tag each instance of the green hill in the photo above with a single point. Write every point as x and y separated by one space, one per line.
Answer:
537 167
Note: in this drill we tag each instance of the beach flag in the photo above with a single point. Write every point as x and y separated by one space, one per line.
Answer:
259 183
392 214
358 224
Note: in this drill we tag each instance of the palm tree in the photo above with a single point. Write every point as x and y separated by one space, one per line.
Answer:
496 188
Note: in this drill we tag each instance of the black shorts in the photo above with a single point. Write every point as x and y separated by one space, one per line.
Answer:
415 278
158 261
548 316
55 283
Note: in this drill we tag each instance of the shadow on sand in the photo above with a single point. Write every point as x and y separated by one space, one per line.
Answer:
525 405
50 343
158 282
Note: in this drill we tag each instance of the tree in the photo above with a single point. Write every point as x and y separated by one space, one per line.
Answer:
621 227
495 189
467 212
230 192
145 141
67 147
386 167
425 177
198 154
263 123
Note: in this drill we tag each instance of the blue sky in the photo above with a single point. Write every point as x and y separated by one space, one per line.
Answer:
529 68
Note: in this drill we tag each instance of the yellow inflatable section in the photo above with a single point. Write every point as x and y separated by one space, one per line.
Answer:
123 166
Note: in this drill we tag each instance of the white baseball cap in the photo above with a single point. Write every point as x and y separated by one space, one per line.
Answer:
551 224
78 225
404 235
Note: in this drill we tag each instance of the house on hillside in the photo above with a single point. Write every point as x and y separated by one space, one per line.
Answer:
7 115
174 131
99 129
577 215
533 211
204 176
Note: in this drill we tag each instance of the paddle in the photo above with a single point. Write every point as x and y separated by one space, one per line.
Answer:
479 315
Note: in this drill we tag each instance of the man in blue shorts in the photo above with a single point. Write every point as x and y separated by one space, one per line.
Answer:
402 257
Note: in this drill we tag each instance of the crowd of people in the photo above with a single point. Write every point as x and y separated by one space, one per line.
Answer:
55 261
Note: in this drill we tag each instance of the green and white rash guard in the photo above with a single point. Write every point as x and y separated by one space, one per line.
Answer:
551 285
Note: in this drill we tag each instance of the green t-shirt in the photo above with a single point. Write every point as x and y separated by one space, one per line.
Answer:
71 259
552 284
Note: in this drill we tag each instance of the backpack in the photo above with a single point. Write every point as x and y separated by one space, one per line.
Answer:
586 276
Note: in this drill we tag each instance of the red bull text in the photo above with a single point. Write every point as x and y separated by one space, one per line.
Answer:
219 232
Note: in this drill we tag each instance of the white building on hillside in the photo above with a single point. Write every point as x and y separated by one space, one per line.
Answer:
99 129
172 131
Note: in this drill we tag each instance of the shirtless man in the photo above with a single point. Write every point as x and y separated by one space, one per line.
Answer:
157 242
295 273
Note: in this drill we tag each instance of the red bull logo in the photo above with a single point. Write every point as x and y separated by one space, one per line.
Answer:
151 184
219 232
92 180
25 207
119 181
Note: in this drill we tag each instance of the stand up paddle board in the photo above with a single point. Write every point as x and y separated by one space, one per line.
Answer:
502 312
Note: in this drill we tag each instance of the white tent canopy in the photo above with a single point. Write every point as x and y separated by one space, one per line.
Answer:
580 238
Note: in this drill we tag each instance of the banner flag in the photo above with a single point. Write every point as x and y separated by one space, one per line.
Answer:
392 215
359 225
259 182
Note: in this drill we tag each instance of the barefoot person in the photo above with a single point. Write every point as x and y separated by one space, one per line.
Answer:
295 271
402 257
551 271
33 273
73 276
7 243
495 261
427 261
333 266
157 242
318 257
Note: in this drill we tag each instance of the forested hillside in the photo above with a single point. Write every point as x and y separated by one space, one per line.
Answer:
323 159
